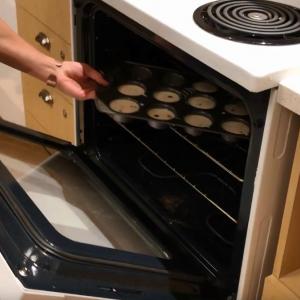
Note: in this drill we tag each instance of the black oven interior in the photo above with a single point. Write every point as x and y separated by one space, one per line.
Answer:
193 193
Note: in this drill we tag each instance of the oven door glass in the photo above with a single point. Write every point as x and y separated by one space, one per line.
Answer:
78 208
75 222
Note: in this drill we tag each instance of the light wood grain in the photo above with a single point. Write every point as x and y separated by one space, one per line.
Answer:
274 289
288 252
29 27
55 119
55 14
292 282
20 156
284 283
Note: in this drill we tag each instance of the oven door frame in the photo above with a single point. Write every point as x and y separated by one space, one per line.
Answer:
43 259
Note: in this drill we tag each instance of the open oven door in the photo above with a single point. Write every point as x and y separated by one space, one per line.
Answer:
64 228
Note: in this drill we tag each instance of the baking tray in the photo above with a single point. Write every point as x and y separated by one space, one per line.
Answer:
165 97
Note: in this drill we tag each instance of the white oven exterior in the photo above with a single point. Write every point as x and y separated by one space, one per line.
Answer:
12 289
270 187
277 150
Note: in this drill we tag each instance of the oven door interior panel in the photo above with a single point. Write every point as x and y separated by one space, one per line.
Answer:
64 230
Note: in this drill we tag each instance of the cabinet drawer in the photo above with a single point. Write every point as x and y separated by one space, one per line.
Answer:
54 117
41 37
56 14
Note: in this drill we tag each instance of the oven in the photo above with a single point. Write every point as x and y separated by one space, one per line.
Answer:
144 208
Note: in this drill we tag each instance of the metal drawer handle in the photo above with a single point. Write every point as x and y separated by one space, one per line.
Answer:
46 96
43 40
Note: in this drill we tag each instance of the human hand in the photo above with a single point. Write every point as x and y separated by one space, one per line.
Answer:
78 80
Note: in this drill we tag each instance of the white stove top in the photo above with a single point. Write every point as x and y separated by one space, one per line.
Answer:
255 67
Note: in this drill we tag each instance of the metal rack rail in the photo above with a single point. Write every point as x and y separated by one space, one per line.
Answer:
214 160
181 176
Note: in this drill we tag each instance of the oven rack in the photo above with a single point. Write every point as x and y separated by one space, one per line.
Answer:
179 175
210 157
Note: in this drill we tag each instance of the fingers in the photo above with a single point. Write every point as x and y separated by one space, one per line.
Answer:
79 91
79 80
72 88
93 74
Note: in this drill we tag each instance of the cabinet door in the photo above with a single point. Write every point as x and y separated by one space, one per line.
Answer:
53 13
47 110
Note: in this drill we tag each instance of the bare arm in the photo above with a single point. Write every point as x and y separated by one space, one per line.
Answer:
75 79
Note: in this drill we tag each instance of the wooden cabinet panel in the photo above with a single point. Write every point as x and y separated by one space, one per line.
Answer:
288 251
284 283
29 28
274 289
55 117
55 14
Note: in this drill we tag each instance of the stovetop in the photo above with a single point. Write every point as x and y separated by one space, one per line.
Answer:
255 67
258 22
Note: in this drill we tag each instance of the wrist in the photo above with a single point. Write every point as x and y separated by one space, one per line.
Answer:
45 68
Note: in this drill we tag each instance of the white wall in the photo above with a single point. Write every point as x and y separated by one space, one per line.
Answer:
11 99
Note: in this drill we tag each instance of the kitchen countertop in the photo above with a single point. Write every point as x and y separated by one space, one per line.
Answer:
254 67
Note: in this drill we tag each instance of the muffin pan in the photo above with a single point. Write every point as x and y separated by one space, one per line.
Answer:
164 97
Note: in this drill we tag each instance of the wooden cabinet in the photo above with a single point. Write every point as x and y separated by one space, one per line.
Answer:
55 14
284 283
41 36
46 25
47 110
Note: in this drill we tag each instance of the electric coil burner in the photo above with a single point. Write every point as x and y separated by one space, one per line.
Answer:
255 22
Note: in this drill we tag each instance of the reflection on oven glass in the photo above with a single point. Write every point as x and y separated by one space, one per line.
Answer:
72 203
83 213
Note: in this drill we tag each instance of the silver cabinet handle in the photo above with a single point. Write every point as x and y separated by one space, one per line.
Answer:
43 40
46 96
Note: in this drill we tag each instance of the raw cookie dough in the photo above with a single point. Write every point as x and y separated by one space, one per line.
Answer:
198 120
131 89
162 114
166 96
125 106
202 102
